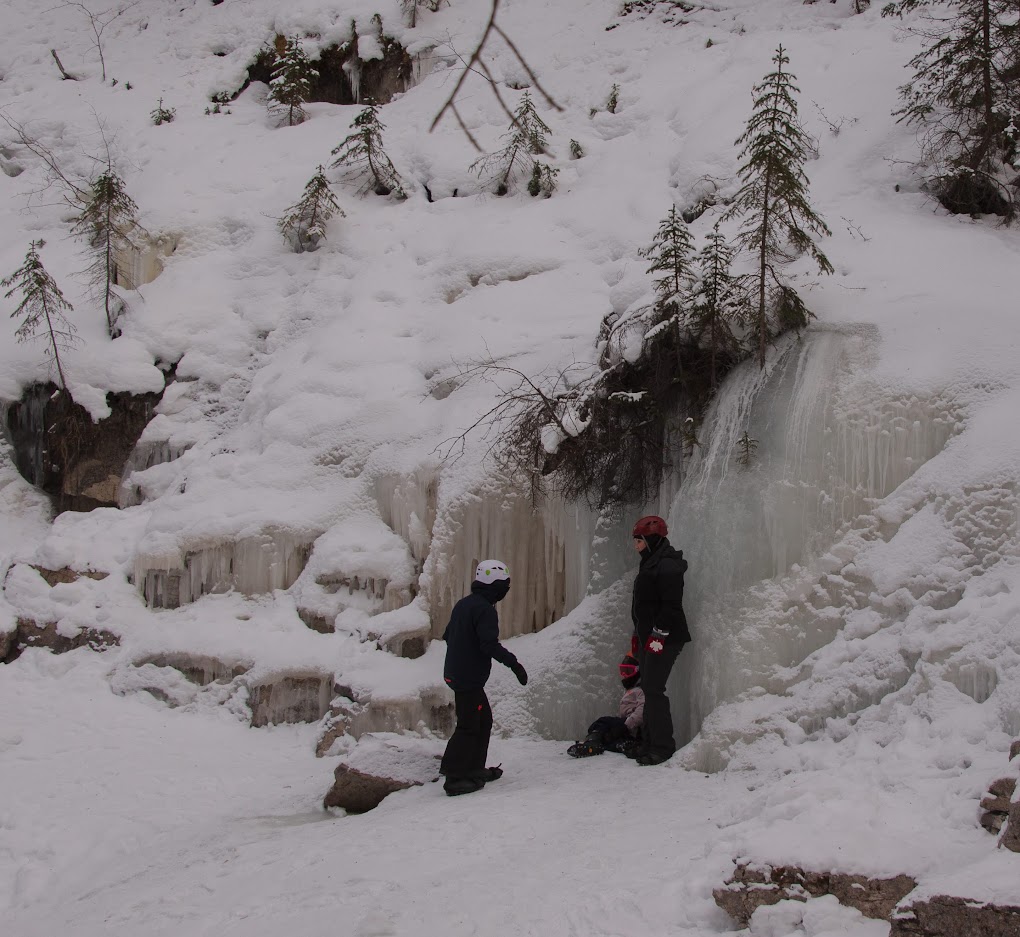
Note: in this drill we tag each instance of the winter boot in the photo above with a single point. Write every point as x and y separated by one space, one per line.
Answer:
630 747
592 745
455 786
487 774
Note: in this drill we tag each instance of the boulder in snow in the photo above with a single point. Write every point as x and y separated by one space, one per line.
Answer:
752 886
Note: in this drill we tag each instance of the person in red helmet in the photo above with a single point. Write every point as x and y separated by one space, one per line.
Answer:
660 631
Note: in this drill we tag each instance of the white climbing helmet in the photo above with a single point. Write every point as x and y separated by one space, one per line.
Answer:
491 571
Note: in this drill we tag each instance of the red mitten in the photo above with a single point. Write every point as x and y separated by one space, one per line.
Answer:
656 642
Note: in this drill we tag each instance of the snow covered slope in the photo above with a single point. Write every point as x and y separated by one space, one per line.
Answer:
856 655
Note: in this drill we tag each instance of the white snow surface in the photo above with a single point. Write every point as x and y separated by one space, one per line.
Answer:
854 680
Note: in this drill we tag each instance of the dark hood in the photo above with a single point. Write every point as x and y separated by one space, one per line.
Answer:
491 591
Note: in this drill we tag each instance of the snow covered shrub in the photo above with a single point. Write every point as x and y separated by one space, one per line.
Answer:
576 150
291 85
363 159
526 138
304 223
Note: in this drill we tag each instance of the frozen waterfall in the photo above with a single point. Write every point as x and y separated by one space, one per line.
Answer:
830 444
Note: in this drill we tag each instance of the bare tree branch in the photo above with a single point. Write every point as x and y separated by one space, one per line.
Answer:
64 74
476 60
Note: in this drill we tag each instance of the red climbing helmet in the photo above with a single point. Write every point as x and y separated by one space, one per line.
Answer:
648 526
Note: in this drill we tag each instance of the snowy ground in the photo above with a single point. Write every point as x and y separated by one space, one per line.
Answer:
871 681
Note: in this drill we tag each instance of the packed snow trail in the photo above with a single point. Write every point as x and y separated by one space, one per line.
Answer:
170 823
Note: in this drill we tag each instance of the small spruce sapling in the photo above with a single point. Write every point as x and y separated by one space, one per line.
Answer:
778 222
526 138
107 219
543 179
576 150
304 223
291 85
362 157
747 447
614 99
162 115
41 309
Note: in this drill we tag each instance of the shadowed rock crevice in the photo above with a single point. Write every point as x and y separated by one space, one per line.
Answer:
59 449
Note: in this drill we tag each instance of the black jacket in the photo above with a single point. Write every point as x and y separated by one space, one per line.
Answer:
472 638
659 594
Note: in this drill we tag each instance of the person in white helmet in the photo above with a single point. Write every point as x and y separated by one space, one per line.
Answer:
472 644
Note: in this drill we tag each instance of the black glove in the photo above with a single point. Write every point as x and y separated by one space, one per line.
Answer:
519 672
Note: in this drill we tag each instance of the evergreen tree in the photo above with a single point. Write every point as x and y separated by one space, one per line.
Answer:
964 93
291 84
108 218
361 156
526 138
778 220
747 447
304 224
42 307
716 307
543 179
670 254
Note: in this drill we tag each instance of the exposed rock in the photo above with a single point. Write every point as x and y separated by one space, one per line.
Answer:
943 916
380 765
59 449
67 575
316 622
356 792
1010 838
750 887
341 77
1014 749
410 644
7 640
431 710
999 794
30 633
993 821
290 698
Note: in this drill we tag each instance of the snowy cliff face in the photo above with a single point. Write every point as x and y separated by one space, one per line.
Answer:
857 580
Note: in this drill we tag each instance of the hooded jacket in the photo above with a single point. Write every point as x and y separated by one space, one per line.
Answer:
472 637
659 593
632 709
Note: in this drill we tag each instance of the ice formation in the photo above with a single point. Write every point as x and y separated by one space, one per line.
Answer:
545 544
252 565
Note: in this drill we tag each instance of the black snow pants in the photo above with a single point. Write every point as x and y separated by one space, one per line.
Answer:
657 730
610 731
469 745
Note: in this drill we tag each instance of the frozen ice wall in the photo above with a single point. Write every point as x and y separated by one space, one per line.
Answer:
545 543
830 445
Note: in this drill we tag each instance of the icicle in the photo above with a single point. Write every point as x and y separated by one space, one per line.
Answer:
252 565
